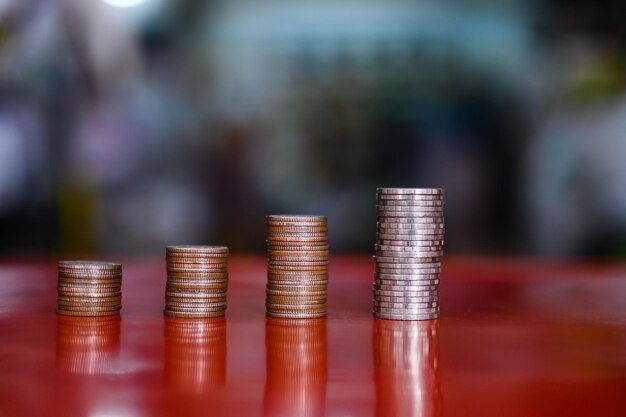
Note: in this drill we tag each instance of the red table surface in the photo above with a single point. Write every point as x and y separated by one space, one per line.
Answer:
517 337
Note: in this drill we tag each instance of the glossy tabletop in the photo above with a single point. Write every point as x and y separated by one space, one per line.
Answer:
517 337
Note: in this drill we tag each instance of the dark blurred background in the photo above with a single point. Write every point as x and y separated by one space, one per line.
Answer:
127 125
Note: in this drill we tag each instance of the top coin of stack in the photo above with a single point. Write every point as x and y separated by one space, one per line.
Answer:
409 245
297 270
89 288
197 279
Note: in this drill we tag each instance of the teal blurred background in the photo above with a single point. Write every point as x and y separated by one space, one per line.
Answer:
127 125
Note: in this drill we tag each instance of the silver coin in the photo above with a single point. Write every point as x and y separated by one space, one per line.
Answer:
409 232
407 299
406 278
410 305
383 262
385 217
409 248
410 272
384 198
409 254
410 226
427 235
406 317
410 220
410 203
426 310
434 291
430 246
403 286
385 208
415 263
414 191
427 286
421 223
405 251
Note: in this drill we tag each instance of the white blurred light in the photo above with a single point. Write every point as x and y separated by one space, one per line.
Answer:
124 3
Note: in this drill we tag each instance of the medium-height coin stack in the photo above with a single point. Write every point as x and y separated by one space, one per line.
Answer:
89 288
297 269
409 246
197 280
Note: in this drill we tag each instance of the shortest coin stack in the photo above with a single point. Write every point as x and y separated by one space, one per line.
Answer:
197 280
89 288
297 268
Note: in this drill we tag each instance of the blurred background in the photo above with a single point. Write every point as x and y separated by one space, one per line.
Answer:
127 125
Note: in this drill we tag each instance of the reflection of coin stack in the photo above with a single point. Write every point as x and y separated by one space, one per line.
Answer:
195 353
297 270
409 246
297 369
89 288
406 363
87 345
197 279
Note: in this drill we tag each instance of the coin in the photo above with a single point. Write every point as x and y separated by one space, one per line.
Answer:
295 301
281 292
303 281
296 289
432 290
183 289
422 286
287 275
276 268
90 265
89 307
212 261
89 282
414 281
407 299
411 220
412 191
292 307
202 309
297 253
296 238
197 249
383 210
194 314
413 228
87 313
408 306
297 229
195 270
200 275
297 315
195 295
425 245
298 298
410 203
295 218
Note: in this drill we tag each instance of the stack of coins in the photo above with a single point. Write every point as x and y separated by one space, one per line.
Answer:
197 279
297 270
409 246
89 288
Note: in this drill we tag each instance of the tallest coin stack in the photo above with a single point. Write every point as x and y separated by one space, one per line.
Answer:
409 246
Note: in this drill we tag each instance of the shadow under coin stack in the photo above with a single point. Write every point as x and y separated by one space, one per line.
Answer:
89 288
409 246
297 270
197 280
